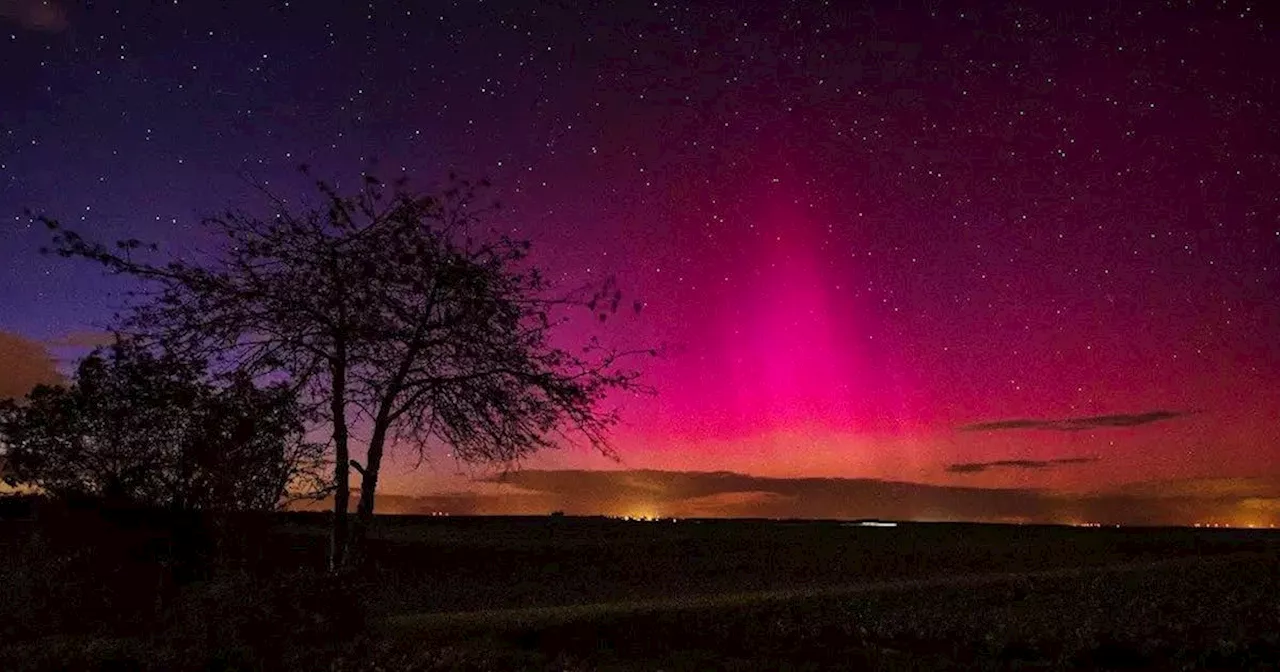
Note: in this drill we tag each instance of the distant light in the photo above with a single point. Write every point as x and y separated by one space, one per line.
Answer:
875 523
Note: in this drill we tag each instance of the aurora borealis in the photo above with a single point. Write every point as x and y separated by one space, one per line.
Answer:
975 245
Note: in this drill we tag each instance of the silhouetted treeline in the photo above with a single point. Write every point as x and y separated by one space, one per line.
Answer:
144 426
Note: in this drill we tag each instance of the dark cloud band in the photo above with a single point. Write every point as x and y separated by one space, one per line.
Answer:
1077 424
726 494
979 467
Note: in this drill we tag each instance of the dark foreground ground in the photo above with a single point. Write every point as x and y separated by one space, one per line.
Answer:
95 591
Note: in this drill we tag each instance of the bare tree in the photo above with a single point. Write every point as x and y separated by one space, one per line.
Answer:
384 309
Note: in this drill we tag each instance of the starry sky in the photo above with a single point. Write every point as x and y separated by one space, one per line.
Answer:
973 245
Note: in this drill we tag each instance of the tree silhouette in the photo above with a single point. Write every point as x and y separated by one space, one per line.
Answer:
153 429
385 310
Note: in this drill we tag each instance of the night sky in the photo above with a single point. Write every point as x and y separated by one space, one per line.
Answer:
1011 245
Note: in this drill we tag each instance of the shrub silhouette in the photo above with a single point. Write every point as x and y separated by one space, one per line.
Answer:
137 427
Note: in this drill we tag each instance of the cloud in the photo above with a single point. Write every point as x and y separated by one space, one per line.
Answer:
684 494
83 339
1077 424
24 363
713 494
1202 488
1266 504
979 467
732 504
43 15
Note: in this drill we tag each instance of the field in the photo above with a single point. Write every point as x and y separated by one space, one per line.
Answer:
569 593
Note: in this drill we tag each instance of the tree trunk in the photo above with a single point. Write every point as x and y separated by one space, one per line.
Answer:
341 468
369 479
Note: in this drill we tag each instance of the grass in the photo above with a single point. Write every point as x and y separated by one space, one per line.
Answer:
1184 613
491 619
566 594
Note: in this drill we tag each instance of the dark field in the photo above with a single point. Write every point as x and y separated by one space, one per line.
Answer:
566 593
